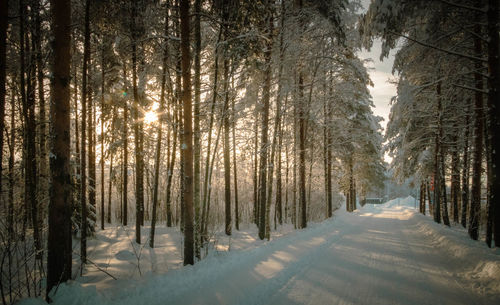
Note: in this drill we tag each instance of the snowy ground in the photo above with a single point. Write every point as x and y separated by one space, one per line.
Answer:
382 254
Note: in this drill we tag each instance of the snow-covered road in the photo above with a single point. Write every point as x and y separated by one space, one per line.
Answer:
382 254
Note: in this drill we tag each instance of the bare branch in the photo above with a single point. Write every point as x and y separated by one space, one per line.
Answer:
471 88
466 7
484 60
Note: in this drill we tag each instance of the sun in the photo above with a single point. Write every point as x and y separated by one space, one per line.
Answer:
150 117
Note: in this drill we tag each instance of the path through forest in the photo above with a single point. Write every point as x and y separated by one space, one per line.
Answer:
382 254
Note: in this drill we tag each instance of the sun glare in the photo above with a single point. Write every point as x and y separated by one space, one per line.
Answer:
150 117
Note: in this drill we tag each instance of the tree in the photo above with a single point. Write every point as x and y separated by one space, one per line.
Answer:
83 160
187 147
3 67
59 240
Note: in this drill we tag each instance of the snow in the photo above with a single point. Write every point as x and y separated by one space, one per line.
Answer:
380 254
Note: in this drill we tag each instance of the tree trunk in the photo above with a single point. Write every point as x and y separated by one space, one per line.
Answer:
206 184
437 159
83 144
3 67
431 207
489 203
226 155
91 162
102 138
196 131
10 212
111 170
170 171
187 149
159 133
139 166
43 184
235 170
22 84
302 154
125 150
455 179
266 92
465 170
446 219
494 110
475 204
327 158
30 163
59 240
256 168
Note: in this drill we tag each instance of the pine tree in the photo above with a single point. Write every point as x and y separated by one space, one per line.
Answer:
59 240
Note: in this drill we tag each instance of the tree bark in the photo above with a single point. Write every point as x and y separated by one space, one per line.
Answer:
103 74
494 110
59 240
3 67
455 179
159 133
139 163
196 131
206 184
475 204
465 171
187 149
437 159
125 150
111 170
266 92
83 145
226 151
91 162
235 170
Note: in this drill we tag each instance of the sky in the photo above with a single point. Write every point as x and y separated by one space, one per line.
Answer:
380 74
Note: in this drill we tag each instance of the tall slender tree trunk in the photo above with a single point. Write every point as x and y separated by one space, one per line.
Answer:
235 169
279 124
428 188
83 144
43 122
197 131
139 166
437 158
125 150
455 180
206 184
111 170
187 150
12 143
465 170
102 137
170 170
422 197
256 167
226 152
442 185
475 204
327 151
494 110
266 92
91 162
30 162
489 203
59 240
22 84
3 67
159 132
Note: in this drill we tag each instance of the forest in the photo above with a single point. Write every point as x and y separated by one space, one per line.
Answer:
204 116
